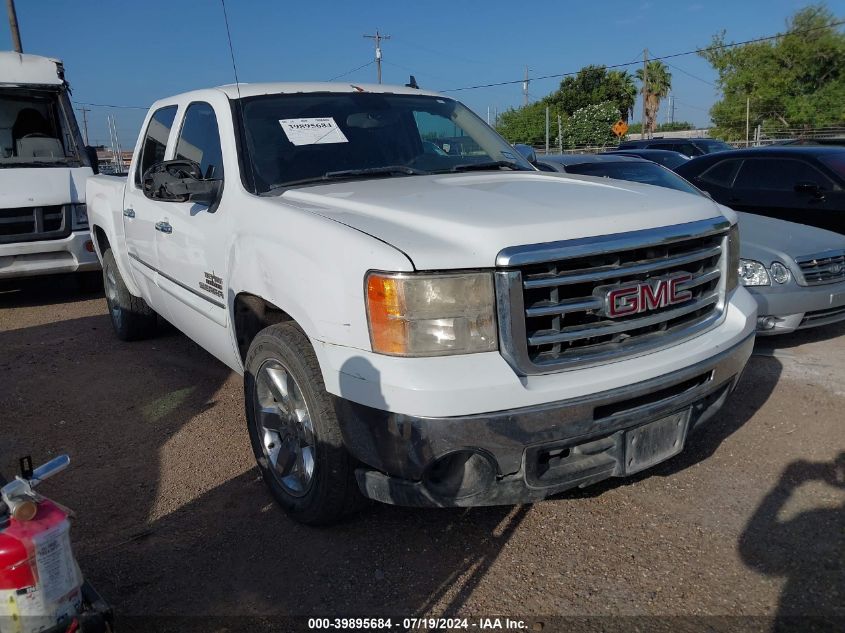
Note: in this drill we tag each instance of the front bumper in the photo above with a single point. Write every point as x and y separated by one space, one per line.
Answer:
526 454
67 255
793 307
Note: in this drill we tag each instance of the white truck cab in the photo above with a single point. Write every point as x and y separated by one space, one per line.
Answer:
43 168
420 316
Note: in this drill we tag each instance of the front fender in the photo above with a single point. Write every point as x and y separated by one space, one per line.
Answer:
313 269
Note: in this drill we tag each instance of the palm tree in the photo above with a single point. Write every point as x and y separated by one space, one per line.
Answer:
657 85
621 86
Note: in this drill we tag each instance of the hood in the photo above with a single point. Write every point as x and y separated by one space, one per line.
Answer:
464 220
37 186
766 239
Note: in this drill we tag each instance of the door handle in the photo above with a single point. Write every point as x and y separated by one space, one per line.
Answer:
129 213
164 227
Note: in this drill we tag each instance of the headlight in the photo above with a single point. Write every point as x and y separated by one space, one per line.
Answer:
733 258
780 273
753 273
80 217
431 315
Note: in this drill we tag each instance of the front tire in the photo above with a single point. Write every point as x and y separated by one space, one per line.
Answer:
131 317
294 430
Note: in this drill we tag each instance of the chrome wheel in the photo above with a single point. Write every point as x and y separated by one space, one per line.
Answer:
285 428
111 295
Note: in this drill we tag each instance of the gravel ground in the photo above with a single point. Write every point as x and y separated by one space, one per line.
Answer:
172 519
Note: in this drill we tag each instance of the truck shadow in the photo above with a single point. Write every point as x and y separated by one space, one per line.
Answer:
50 290
806 548
157 545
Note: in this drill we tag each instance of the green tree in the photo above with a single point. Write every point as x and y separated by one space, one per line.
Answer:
591 125
527 124
593 85
658 83
795 81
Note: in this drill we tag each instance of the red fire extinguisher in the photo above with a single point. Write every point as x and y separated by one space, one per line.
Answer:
41 587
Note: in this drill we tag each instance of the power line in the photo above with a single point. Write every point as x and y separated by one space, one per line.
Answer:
709 83
349 72
110 105
661 58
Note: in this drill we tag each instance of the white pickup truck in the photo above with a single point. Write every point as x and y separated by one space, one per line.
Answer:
420 316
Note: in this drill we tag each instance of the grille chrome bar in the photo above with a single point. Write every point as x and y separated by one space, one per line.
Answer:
823 268
570 334
550 297
612 272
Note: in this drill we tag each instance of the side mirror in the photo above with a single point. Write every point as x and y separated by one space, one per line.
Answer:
180 180
93 159
809 187
527 152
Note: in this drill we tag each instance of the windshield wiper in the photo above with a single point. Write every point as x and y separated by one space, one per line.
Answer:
388 170
493 164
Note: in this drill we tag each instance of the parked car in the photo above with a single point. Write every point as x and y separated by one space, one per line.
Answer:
421 329
686 146
43 168
804 184
663 157
615 165
795 272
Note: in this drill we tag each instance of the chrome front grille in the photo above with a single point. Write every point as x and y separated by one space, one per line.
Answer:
552 298
28 224
824 268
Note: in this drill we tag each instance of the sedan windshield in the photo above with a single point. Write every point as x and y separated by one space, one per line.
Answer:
645 173
37 129
316 137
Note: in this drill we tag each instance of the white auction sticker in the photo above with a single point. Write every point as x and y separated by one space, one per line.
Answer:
54 559
312 131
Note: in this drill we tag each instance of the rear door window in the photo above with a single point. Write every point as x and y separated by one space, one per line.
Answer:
155 140
778 174
721 174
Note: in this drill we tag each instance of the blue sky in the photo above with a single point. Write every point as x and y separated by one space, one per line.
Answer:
131 54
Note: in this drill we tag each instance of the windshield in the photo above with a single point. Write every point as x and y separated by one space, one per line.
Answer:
37 129
301 138
711 147
646 173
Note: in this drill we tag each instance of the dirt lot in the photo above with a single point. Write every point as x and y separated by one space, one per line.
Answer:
173 520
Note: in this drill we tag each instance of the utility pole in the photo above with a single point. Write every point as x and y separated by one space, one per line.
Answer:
559 134
547 130
747 117
645 83
525 88
377 38
85 112
13 26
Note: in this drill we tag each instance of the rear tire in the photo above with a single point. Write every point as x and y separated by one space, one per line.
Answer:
131 317
294 430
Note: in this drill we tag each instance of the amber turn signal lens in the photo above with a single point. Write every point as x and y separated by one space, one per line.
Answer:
387 328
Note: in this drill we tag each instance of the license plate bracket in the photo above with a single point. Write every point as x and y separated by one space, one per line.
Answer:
655 442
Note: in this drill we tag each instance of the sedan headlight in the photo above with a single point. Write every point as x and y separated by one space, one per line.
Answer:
752 273
79 212
431 314
780 273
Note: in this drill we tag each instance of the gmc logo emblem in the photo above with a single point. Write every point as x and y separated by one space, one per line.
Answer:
634 298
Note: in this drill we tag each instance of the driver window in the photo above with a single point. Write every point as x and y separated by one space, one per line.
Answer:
443 137
199 140
155 141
